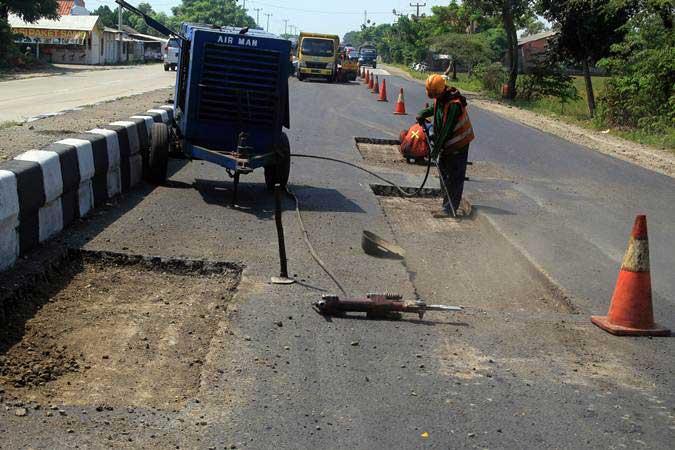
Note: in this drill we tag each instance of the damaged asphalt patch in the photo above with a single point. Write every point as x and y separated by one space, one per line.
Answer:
110 328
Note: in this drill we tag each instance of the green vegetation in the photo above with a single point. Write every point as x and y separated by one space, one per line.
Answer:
631 40
463 82
215 12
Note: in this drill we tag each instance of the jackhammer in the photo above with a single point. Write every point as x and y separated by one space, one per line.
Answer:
377 306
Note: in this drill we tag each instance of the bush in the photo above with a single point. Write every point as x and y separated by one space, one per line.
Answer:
491 76
546 80
640 92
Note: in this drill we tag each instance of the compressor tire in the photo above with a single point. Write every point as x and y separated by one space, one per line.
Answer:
279 172
158 159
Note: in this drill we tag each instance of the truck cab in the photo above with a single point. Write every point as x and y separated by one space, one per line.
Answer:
317 55
368 55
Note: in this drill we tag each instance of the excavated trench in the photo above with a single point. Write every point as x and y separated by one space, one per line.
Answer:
107 328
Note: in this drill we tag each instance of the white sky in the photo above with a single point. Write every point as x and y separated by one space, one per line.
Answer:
329 16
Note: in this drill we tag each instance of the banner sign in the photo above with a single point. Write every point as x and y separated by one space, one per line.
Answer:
59 37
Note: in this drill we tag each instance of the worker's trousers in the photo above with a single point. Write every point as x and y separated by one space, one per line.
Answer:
453 171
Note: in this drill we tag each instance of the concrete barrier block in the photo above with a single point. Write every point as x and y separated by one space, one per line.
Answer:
85 157
9 199
9 245
113 145
136 169
170 110
9 219
148 123
162 112
85 196
114 174
133 137
51 171
50 219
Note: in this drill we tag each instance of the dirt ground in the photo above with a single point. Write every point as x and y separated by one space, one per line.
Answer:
17 139
108 333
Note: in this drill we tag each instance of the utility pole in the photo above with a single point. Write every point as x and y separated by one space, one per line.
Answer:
365 18
418 6
119 27
257 15
285 27
268 21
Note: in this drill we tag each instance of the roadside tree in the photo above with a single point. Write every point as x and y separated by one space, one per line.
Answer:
215 12
586 32
28 10
514 14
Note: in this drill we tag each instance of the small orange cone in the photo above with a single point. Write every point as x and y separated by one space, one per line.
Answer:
376 87
399 110
383 92
371 80
630 312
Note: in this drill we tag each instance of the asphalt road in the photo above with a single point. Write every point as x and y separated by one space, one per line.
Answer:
31 97
522 367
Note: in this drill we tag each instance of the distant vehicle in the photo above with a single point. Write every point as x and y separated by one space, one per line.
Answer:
317 55
171 50
352 53
368 55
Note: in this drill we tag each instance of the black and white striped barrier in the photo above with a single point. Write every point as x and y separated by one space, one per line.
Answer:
43 191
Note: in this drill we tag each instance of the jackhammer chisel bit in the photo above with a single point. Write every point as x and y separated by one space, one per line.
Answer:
377 305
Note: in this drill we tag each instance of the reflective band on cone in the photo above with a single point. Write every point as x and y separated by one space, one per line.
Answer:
630 312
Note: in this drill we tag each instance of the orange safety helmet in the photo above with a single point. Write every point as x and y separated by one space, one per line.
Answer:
435 86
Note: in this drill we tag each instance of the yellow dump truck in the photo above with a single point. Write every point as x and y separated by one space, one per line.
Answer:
317 56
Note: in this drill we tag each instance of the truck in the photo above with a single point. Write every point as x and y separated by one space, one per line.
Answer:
368 55
318 56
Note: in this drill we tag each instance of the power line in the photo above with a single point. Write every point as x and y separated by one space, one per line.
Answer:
268 21
418 5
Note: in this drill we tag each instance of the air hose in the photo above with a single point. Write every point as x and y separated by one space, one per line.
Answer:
356 166
305 234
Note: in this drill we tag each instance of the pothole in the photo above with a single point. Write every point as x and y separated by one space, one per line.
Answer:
386 153
387 190
114 329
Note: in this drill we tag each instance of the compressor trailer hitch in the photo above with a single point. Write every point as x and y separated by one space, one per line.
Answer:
377 306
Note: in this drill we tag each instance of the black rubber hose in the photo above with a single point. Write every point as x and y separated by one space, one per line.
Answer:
356 166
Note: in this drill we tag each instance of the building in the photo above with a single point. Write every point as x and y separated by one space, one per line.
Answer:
530 47
77 39
72 8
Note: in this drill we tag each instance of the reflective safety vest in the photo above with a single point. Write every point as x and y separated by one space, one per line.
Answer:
462 134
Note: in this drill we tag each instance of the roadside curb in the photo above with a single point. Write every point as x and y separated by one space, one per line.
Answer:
43 191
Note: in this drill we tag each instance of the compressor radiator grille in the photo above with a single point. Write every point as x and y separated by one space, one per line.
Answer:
239 84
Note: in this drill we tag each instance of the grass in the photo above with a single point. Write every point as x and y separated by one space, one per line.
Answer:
576 112
9 124
463 83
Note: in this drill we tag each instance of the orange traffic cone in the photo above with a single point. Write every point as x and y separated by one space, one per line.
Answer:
399 110
371 80
630 312
383 92
376 88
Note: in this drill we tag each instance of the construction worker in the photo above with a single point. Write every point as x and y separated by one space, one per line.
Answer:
451 138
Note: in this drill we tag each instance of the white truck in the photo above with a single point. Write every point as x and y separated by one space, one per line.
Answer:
170 51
